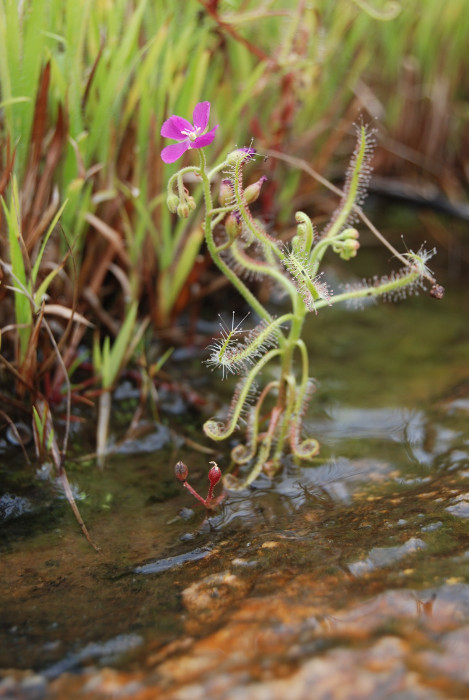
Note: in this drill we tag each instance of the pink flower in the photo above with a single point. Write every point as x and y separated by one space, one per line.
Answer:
188 135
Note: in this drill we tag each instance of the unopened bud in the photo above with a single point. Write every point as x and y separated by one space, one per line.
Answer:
350 233
349 249
191 203
240 155
233 225
172 202
183 210
225 195
251 193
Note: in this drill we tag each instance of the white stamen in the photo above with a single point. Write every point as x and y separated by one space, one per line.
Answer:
192 134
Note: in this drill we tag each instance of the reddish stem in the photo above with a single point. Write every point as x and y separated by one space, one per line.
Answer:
194 493
214 475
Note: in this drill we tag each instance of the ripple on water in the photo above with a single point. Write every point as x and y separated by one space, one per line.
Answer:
161 565
380 557
104 652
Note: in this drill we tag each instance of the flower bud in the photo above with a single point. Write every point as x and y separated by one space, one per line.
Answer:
350 233
225 195
183 210
191 203
349 249
172 202
181 471
233 225
251 193
240 155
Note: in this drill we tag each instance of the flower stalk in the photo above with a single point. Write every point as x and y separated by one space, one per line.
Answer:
181 473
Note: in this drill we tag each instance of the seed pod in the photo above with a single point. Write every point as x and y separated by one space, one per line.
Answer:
181 471
251 193
214 474
437 291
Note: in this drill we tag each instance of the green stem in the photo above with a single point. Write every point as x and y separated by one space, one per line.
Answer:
233 278
212 428
288 407
241 454
351 188
180 174
260 267
284 403
264 450
216 170
387 287
304 373
267 242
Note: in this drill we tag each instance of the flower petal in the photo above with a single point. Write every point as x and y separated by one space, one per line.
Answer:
174 126
175 151
249 151
201 115
204 140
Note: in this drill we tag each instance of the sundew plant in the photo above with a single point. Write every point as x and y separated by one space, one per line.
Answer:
273 409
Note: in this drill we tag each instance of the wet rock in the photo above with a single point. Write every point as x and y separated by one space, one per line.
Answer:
432 527
187 537
102 684
186 513
19 434
171 649
12 506
460 507
112 684
244 563
151 437
437 609
345 674
105 652
160 565
23 685
207 600
380 557
451 661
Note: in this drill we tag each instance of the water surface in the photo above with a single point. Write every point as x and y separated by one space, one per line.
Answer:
350 573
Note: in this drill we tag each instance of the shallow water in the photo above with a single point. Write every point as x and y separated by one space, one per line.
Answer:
350 574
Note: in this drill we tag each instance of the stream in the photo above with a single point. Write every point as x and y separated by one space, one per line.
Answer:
349 575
